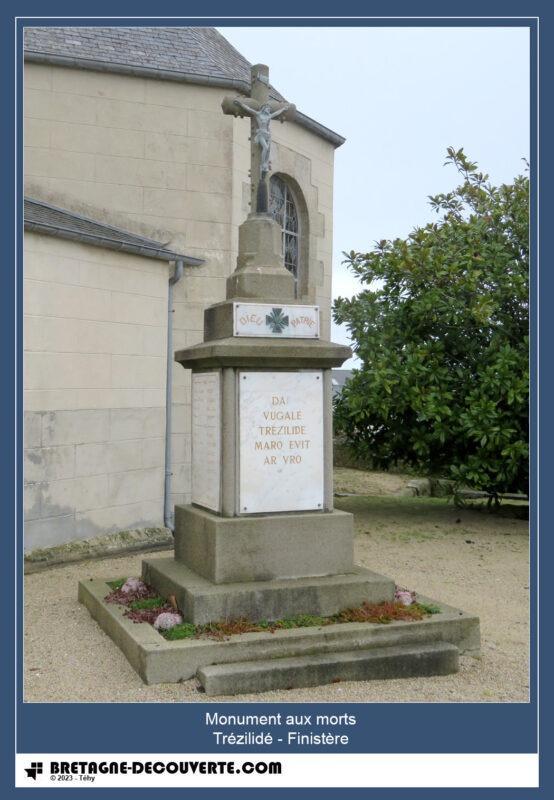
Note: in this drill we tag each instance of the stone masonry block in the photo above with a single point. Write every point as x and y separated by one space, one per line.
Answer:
146 514
98 84
49 463
183 95
99 458
132 171
135 486
153 452
230 549
37 133
42 162
216 180
67 370
112 197
94 139
214 235
49 532
59 300
81 336
125 278
42 265
42 400
32 429
75 494
210 125
210 152
169 147
136 423
137 309
32 501
407 661
75 427
38 76
59 106
202 601
138 372
140 116
170 203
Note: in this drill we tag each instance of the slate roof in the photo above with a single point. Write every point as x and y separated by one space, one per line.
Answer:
41 217
188 54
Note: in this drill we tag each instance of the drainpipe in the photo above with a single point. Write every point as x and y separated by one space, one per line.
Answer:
168 514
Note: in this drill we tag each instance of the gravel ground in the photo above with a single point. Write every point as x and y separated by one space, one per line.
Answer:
469 559
365 482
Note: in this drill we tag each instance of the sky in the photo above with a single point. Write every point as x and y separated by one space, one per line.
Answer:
400 96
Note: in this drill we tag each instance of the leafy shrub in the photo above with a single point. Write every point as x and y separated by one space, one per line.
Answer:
442 334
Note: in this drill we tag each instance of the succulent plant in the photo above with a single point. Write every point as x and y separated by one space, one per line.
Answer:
167 620
134 586
404 596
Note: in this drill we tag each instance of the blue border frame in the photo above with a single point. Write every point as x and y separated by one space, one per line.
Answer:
436 727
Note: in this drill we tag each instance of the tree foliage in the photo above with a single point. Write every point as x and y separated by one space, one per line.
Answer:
442 334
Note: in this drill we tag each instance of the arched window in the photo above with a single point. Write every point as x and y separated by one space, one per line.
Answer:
283 208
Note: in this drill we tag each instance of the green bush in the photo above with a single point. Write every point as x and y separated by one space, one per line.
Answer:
442 334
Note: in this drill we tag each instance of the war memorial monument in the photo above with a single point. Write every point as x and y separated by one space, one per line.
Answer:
261 539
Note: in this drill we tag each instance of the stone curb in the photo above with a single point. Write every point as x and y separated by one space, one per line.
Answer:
160 661
114 544
377 663
427 487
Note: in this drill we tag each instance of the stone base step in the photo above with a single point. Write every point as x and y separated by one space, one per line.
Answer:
202 601
407 661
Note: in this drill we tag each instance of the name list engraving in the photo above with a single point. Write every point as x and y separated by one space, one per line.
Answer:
281 441
279 321
206 440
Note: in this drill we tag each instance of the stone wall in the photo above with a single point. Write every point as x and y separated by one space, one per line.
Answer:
94 391
160 158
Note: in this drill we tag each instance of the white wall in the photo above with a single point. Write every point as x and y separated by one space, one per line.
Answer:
94 391
161 159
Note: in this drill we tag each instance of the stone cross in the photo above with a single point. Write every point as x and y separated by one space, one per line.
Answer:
261 111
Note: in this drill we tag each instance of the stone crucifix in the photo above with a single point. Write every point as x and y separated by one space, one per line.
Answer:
261 111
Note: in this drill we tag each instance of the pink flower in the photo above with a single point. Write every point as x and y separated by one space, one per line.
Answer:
404 596
167 620
133 585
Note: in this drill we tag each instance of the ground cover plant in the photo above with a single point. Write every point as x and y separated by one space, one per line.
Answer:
143 604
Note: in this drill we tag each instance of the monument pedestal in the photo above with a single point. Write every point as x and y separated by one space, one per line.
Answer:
262 548
261 539
201 601
259 271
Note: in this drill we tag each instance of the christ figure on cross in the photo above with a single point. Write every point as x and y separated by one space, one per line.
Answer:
261 111
263 115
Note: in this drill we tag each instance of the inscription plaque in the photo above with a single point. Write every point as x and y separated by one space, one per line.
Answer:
206 440
280 441
279 321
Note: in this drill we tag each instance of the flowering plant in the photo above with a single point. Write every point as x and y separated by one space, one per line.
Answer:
404 596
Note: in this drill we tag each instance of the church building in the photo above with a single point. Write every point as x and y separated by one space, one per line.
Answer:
136 183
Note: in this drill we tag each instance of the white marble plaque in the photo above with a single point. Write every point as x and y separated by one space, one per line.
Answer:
281 441
206 440
280 321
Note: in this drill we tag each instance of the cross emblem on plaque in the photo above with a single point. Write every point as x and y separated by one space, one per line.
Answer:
277 320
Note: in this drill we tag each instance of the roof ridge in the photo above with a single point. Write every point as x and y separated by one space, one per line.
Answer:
58 221
84 218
